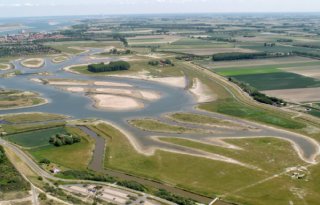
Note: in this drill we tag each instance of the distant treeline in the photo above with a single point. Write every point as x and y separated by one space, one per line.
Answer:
256 95
22 49
307 54
113 66
237 56
307 45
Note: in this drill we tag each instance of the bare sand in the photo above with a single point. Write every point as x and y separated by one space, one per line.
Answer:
36 80
179 82
142 94
27 62
114 102
5 66
59 59
66 82
75 89
296 95
201 92
105 83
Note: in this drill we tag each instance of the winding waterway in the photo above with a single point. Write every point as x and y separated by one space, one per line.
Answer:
173 100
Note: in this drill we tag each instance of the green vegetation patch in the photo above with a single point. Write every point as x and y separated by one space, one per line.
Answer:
32 117
278 80
35 138
157 126
10 179
245 71
192 173
76 156
233 108
269 154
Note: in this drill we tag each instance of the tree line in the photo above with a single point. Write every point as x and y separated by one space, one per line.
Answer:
113 66
256 95
237 56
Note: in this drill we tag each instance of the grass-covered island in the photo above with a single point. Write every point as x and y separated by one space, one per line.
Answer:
112 66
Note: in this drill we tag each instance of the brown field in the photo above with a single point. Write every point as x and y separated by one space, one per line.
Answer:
308 71
296 95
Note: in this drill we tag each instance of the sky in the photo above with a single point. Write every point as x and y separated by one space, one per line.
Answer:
17 8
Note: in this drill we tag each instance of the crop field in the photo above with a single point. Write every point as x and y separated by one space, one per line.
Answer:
282 62
35 138
66 156
278 80
308 71
296 95
152 40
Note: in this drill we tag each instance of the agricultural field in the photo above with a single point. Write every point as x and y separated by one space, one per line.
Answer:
35 138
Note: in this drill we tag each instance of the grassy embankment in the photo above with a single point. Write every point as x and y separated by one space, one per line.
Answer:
207 176
157 126
32 117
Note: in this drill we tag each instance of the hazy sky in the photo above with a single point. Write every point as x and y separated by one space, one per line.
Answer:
9 8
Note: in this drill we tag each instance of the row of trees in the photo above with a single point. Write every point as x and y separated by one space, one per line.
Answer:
173 198
256 95
237 56
113 66
64 139
161 62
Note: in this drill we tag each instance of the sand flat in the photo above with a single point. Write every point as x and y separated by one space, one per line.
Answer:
201 92
117 103
105 83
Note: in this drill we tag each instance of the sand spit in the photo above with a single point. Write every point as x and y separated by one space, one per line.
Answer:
179 82
114 102
36 80
201 92
76 83
75 89
142 94
29 63
111 84
6 66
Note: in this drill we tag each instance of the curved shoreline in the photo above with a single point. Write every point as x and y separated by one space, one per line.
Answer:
40 64
46 101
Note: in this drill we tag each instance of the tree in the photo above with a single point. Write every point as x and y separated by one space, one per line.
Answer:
42 196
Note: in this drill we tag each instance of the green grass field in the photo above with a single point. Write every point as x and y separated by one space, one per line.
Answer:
157 126
35 138
32 117
233 108
76 156
213 177
245 71
268 154
193 173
